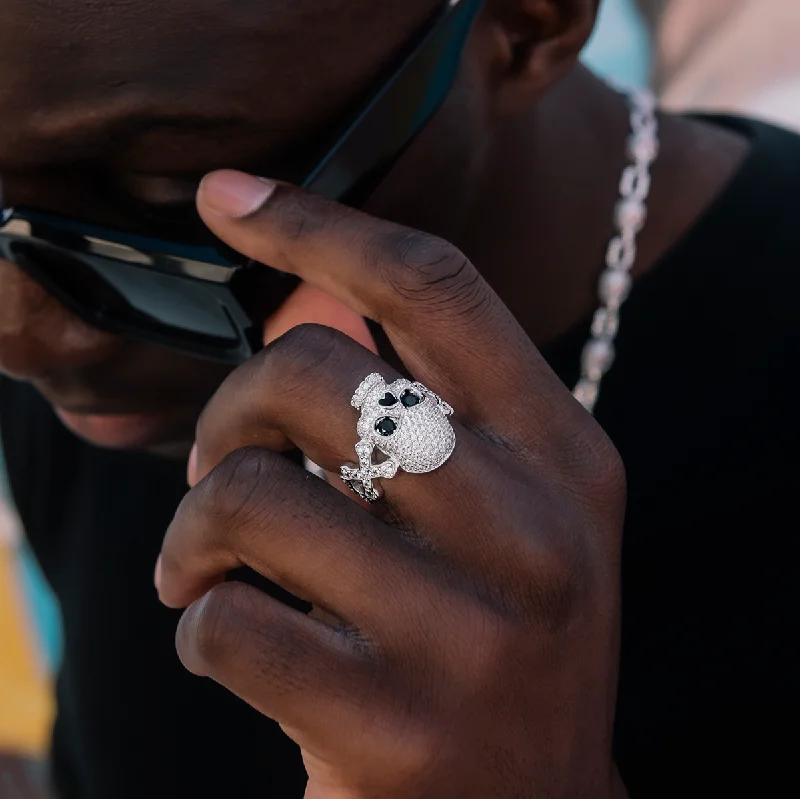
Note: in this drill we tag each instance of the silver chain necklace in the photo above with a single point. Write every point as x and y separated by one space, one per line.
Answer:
630 215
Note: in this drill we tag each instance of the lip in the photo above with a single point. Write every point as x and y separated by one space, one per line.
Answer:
110 409
128 431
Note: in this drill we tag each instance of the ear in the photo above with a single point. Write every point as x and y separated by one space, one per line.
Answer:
528 45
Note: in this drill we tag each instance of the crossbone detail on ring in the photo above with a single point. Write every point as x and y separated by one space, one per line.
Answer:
406 423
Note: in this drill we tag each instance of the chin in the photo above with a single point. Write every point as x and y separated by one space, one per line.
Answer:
164 433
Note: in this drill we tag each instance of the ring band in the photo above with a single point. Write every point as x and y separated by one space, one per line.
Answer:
406 423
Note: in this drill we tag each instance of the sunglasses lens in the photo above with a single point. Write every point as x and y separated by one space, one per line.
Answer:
69 272
125 298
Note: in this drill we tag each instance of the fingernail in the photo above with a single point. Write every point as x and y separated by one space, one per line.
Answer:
191 467
157 575
234 194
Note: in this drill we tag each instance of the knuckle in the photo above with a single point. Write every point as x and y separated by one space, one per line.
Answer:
614 483
595 470
584 464
302 349
418 251
292 364
238 488
422 268
299 215
214 636
288 372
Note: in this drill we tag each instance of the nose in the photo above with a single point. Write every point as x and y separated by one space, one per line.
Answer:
38 335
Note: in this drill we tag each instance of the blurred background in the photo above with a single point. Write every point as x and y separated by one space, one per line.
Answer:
726 55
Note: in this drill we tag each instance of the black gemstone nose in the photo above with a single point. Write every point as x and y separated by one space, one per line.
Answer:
388 400
386 426
410 399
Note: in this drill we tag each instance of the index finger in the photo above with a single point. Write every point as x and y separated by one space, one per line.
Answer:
446 323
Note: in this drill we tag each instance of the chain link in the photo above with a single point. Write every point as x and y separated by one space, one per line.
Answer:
630 216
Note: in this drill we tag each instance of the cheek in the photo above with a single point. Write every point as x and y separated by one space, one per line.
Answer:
38 334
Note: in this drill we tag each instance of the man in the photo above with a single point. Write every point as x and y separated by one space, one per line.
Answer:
463 636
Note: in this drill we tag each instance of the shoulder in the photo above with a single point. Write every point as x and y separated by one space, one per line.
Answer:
758 210
735 276
752 247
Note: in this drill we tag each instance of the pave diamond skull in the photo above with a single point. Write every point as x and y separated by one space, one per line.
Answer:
407 423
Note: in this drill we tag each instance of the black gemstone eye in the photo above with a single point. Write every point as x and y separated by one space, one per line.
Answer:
385 426
388 400
410 399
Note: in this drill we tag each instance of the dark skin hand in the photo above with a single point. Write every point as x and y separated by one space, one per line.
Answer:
467 639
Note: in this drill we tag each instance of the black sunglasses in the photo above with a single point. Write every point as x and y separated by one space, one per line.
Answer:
199 299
